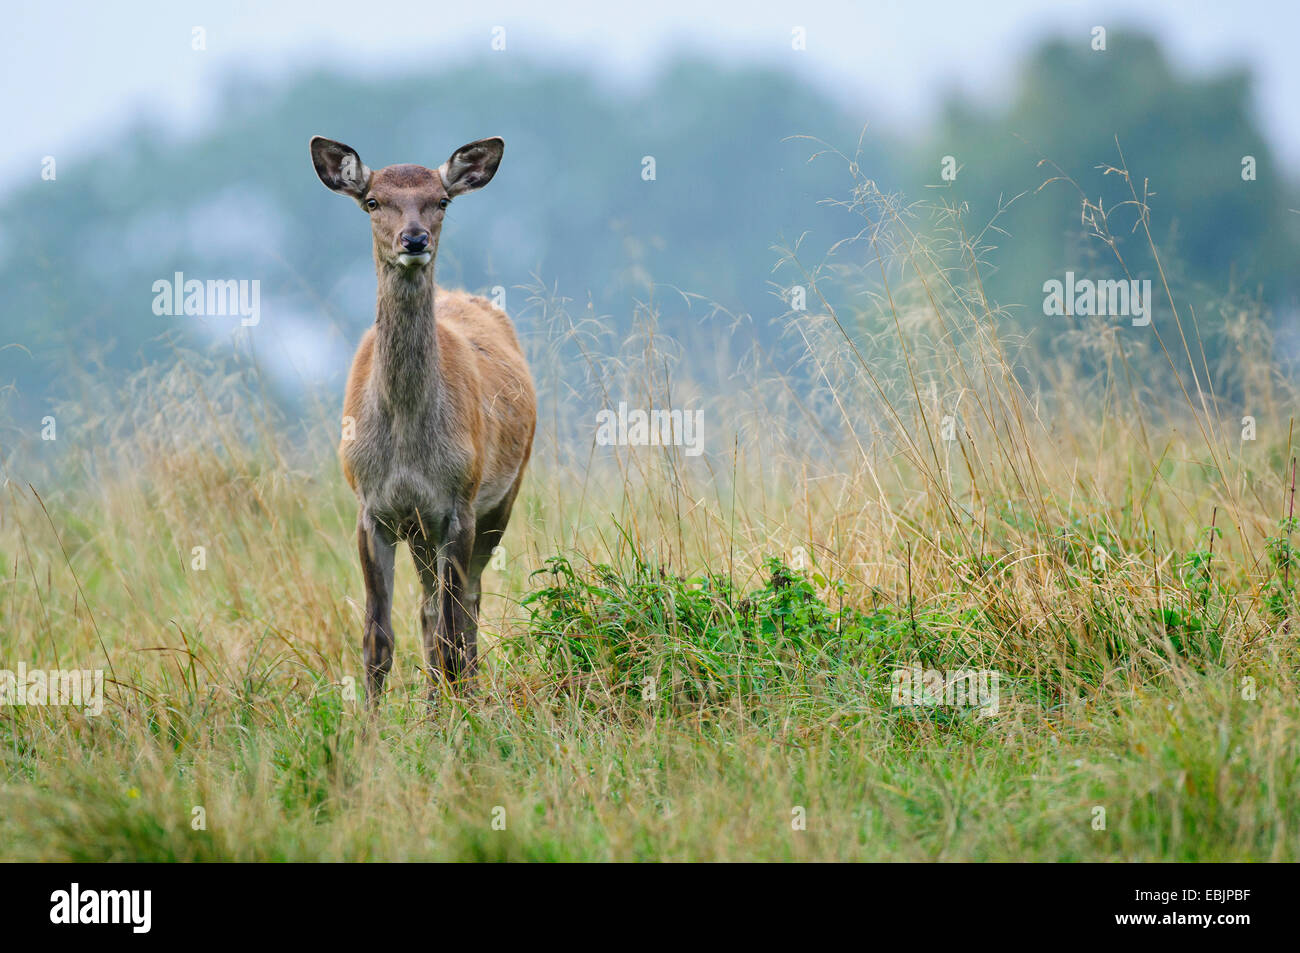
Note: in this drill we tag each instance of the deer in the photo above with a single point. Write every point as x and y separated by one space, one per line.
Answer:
438 415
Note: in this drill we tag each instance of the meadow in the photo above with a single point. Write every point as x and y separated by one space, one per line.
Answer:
693 658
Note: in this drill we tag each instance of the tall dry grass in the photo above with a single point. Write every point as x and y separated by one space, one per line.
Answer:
1102 538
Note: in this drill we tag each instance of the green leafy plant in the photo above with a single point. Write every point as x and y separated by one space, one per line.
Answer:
682 640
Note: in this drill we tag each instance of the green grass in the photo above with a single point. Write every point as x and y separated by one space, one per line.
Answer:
771 700
303 779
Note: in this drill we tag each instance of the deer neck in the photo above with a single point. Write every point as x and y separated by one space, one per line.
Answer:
407 368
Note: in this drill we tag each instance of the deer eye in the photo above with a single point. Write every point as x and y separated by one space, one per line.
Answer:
371 205
443 203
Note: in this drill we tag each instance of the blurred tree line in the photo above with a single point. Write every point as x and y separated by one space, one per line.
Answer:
578 208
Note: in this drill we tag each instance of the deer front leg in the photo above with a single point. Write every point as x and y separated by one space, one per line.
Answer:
376 546
450 626
424 553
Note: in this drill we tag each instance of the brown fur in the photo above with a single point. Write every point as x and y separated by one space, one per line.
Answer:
475 339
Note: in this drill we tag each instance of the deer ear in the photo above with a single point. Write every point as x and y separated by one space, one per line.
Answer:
339 167
472 167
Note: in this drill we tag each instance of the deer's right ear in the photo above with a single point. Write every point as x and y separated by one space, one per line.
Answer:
339 167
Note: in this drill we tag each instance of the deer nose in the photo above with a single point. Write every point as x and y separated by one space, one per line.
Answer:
415 242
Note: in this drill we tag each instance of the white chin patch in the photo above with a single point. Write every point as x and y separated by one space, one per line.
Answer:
421 259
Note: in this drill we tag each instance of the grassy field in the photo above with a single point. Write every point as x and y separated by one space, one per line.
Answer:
691 658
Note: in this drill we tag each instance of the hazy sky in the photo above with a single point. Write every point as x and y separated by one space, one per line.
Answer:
75 71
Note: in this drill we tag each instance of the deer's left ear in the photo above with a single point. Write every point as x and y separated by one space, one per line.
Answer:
472 167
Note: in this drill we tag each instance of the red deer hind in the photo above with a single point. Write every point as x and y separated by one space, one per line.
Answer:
441 408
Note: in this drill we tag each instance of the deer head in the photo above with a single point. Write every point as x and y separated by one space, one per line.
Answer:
406 203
